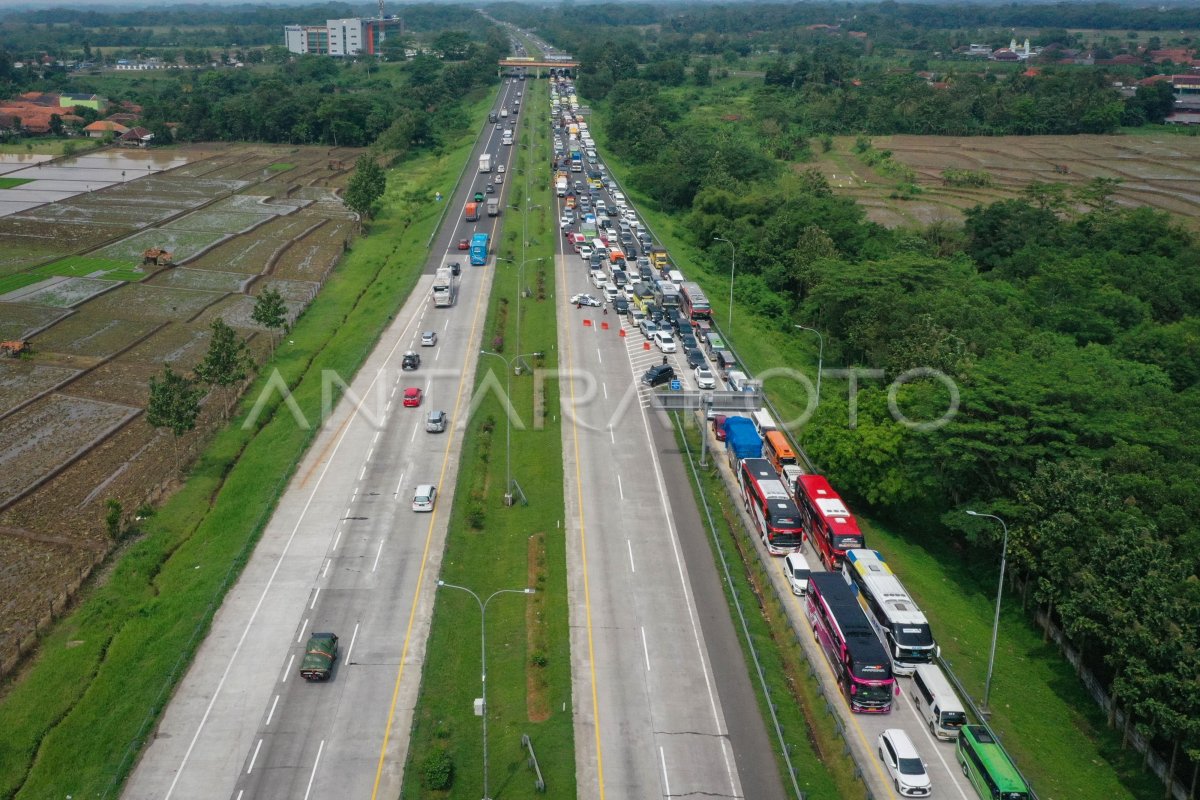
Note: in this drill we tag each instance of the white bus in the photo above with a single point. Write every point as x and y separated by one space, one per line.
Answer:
900 624
937 703
445 287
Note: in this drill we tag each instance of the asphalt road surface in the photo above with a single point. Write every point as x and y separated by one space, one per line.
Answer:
344 552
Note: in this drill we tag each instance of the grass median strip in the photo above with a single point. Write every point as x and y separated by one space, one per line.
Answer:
492 547
78 716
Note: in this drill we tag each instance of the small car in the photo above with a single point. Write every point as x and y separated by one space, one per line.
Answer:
586 300
436 421
479 197
490 189
412 397
621 305
664 342
428 338
688 340
658 375
411 361
695 360
464 244
455 268
500 168
904 764
319 655
718 425
796 570
499 177
704 377
424 497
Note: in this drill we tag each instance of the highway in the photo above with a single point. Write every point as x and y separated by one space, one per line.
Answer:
662 700
345 553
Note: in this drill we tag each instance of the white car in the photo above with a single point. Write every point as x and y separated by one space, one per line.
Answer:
664 341
598 279
611 292
796 570
428 338
500 177
903 763
499 168
585 300
705 378
585 252
424 497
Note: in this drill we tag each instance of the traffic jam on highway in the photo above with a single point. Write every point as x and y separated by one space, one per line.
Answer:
869 629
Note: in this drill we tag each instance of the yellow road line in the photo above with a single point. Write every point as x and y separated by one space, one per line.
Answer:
425 552
587 597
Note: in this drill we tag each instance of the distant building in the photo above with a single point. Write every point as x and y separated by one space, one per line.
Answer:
353 36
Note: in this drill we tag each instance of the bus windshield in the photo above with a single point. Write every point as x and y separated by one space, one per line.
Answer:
872 694
913 636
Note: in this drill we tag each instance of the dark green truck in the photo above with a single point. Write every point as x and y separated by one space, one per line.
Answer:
319 655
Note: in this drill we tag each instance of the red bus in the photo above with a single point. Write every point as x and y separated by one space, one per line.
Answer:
772 508
859 661
827 522
693 302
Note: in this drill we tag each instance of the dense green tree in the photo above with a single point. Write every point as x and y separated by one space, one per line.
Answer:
366 186
227 361
174 404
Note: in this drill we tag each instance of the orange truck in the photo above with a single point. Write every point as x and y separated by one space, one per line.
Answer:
472 212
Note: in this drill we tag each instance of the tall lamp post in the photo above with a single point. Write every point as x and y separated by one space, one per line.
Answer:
483 604
732 269
508 368
520 287
820 356
987 684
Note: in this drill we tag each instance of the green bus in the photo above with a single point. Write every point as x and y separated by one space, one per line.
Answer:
988 767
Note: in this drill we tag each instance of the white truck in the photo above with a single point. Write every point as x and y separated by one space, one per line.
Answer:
493 207
445 288
485 162
560 187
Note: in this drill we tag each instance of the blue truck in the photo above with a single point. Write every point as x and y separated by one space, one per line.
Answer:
741 440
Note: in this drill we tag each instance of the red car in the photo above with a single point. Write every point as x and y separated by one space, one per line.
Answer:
463 244
718 424
412 397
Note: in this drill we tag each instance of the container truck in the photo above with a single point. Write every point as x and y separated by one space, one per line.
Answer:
471 214
485 162
493 206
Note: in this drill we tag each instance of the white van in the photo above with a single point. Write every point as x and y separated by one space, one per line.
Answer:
763 421
737 380
937 703
675 277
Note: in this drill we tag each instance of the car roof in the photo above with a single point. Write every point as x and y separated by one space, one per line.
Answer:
904 745
425 488
412 390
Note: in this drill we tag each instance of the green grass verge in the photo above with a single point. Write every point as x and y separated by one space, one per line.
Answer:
1054 730
48 146
490 547
813 743
75 721
12 183
11 283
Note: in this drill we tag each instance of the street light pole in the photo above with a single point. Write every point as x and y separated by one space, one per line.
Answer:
820 356
508 371
987 684
732 269
483 604
520 288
